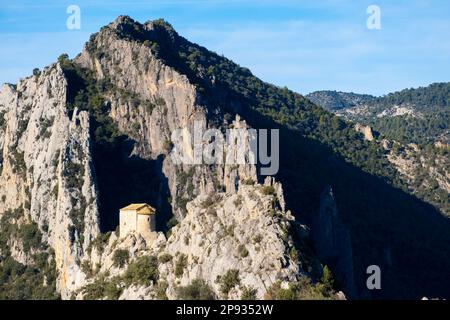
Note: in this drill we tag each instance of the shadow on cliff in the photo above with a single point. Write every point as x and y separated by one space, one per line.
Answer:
406 237
123 178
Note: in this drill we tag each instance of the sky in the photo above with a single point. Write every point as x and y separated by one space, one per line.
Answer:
304 45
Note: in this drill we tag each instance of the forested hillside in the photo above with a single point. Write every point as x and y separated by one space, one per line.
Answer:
420 116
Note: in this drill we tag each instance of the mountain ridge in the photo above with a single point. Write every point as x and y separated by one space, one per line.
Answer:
424 111
129 94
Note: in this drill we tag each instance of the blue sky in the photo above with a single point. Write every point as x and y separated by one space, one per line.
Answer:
304 45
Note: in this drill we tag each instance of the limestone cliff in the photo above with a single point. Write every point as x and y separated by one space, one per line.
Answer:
246 232
332 241
82 137
158 99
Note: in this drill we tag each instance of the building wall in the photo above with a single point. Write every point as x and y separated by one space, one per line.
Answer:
146 226
128 222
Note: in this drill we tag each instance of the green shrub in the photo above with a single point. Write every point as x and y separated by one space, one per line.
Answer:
327 281
148 106
160 101
31 236
198 289
229 231
303 289
161 289
258 238
228 281
63 58
210 201
248 293
143 271
211 212
113 290
23 124
120 257
2 119
55 191
18 281
36 72
181 203
76 214
293 254
95 290
170 224
184 177
275 292
180 264
155 48
238 201
136 126
99 243
86 267
248 181
164 258
18 160
167 145
102 288
45 125
243 252
268 190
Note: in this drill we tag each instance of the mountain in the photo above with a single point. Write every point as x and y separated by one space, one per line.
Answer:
336 100
412 125
85 137
418 116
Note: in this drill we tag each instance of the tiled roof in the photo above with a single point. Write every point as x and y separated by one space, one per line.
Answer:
140 208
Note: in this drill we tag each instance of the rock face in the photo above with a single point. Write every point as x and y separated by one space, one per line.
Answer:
88 136
366 131
336 101
46 167
164 100
246 231
422 170
409 120
332 241
50 174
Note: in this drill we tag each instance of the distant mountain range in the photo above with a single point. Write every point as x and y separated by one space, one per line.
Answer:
419 115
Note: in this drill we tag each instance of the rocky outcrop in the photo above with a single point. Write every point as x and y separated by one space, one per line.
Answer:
46 167
333 243
246 231
158 100
336 101
366 131
227 221
423 170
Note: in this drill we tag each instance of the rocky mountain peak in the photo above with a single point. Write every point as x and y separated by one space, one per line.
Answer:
88 136
157 30
122 20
